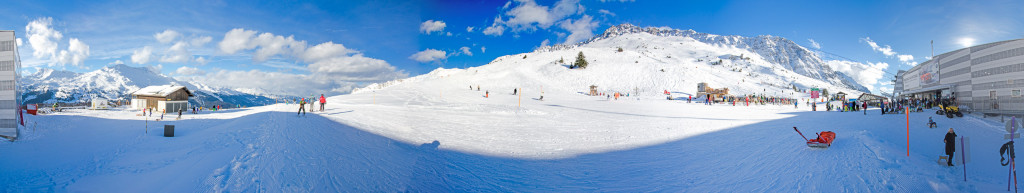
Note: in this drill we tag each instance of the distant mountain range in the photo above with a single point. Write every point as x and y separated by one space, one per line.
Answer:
119 81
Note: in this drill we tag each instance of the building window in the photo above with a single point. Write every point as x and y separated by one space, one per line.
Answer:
992 94
1015 93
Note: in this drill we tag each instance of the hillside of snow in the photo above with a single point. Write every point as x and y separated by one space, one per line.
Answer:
119 81
649 63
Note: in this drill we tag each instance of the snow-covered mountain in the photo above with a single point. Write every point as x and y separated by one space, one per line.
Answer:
774 49
117 82
647 61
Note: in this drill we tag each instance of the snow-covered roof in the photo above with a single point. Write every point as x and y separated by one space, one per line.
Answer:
160 91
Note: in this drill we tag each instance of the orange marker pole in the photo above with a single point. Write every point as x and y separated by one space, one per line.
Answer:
908 130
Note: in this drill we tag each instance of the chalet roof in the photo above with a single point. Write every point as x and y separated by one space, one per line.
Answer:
160 91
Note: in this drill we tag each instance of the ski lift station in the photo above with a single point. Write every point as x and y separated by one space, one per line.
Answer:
163 98
10 99
987 78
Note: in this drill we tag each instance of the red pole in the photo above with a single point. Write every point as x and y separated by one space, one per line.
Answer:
908 129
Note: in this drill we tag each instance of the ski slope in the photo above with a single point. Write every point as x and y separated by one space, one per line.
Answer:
409 139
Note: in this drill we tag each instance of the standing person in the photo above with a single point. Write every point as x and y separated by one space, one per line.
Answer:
302 107
950 141
322 102
689 98
865 110
179 112
515 91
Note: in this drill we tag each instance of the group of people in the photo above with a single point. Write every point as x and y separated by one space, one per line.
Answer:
303 102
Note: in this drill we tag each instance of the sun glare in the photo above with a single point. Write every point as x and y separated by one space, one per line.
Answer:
966 41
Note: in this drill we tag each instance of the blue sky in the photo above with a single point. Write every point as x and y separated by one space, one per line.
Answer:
332 47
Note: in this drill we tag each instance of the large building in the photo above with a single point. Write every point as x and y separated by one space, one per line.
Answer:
10 98
985 78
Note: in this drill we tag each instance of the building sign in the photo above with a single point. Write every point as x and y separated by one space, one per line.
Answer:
929 73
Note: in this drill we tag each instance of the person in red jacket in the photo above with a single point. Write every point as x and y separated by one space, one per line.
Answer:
322 102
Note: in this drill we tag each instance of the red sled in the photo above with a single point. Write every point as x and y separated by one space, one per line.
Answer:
824 139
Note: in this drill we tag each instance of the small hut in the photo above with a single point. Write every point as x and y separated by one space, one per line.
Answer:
163 97
593 90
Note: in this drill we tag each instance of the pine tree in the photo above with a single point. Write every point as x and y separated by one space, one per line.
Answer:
561 60
581 61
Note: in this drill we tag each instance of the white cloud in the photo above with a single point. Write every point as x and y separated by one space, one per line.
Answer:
44 42
865 74
483 49
42 38
907 59
200 41
546 42
886 50
76 53
178 53
156 68
167 36
469 29
189 71
17 41
465 50
237 40
332 66
432 26
201 60
494 29
528 15
814 44
354 68
606 12
323 51
142 56
579 30
429 55
116 62
617 0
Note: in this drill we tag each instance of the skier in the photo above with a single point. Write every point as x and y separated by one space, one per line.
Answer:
950 141
689 98
322 102
931 123
302 107
795 104
487 94
179 113
515 91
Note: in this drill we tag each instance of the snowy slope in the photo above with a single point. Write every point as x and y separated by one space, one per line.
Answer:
651 63
117 82
408 141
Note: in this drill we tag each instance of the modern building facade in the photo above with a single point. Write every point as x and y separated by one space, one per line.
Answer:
987 77
10 98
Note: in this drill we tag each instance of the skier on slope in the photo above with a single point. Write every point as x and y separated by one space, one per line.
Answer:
950 141
323 101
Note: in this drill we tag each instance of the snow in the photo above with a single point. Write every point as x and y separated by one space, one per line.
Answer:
431 133
160 90
457 140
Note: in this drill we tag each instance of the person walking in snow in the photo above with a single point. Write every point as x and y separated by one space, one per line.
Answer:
302 107
515 91
323 101
950 141
179 112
